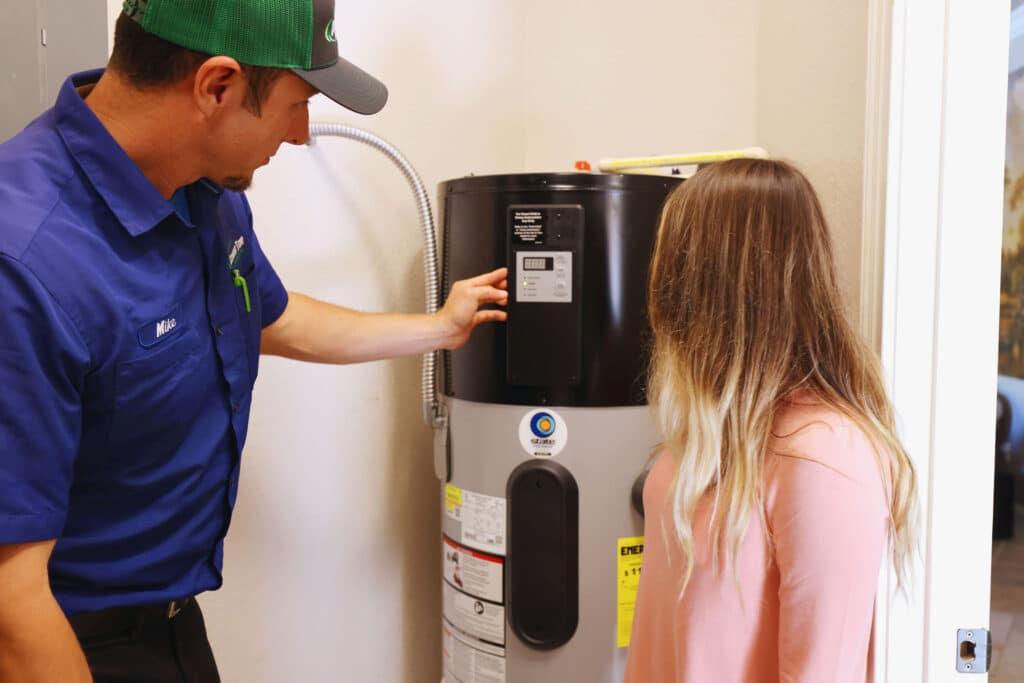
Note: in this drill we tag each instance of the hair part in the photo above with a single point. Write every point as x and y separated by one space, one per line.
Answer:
746 308
147 62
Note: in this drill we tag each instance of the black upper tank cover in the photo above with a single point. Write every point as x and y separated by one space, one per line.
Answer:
577 333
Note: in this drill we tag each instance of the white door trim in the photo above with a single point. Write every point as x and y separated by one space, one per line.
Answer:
940 315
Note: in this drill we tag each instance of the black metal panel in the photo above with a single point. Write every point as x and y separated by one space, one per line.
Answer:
542 568
544 342
611 348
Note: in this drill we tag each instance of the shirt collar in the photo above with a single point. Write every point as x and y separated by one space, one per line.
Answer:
136 203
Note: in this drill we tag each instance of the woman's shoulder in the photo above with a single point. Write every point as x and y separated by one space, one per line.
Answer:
813 435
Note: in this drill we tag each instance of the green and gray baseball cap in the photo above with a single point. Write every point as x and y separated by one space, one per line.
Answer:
288 34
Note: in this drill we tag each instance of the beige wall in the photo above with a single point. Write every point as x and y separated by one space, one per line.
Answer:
607 78
811 86
663 77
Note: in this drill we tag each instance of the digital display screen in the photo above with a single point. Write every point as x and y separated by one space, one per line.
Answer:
538 263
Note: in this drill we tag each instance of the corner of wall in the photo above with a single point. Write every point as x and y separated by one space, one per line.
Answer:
811 103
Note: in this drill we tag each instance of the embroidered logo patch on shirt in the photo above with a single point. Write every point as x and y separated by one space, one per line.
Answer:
161 329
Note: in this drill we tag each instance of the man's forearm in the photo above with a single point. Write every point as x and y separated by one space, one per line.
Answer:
312 330
316 331
37 644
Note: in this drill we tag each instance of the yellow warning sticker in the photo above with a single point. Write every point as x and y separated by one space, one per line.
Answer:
452 499
631 556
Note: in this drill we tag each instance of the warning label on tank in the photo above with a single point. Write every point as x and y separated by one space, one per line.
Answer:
470 661
630 557
482 518
483 522
453 501
473 616
474 573
527 226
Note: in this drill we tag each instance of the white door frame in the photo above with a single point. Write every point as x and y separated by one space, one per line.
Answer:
940 312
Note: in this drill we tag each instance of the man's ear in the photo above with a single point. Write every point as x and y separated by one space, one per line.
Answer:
219 82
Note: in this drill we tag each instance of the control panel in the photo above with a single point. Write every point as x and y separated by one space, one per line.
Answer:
545 250
544 276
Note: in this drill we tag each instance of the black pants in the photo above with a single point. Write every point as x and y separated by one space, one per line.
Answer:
150 644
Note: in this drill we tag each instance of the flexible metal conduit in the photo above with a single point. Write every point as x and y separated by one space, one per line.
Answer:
432 409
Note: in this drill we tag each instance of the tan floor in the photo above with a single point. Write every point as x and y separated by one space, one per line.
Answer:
1007 620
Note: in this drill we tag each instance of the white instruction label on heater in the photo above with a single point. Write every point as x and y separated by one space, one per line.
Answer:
474 573
476 617
543 433
483 522
470 661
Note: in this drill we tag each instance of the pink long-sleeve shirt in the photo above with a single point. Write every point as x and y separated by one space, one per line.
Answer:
807 603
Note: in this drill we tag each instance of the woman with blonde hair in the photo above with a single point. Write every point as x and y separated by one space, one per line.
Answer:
782 482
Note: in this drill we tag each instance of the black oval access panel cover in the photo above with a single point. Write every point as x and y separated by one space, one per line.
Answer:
542 572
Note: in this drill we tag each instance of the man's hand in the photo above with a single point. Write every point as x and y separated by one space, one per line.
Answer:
461 312
320 332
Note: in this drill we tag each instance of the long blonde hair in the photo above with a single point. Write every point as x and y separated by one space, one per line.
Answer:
746 309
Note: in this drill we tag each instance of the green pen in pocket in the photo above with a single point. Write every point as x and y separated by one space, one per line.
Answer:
240 282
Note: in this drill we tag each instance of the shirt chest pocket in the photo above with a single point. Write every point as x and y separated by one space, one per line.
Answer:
158 394
250 311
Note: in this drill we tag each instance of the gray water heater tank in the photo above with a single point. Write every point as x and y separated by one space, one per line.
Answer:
548 427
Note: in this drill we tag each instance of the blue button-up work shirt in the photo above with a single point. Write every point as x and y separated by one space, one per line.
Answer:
128 353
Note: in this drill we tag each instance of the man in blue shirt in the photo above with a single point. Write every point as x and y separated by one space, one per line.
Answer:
135 304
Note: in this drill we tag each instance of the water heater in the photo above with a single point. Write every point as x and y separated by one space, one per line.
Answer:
548 429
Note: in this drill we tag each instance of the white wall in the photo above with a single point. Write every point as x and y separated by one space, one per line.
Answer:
331 568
